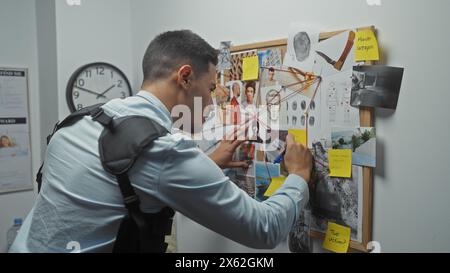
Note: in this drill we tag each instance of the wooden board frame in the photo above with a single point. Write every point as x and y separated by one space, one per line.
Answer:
366 120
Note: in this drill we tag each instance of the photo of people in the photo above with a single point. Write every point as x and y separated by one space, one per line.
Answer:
268 77
6 142
235 87
273 99
221 97
12 146
245 178
246 152
235 98
250 94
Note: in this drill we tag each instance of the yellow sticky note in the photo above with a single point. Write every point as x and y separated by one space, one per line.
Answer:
300 135
250 68
274 185
340 162
366 46
337 238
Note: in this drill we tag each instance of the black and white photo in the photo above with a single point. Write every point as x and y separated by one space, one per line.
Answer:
376 86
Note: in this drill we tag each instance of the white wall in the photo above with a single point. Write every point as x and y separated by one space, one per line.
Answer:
48 73
19 49
412 180
96 31
54 39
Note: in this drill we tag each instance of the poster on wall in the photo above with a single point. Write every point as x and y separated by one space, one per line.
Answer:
15 152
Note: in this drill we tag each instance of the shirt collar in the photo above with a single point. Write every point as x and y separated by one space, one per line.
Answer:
162 109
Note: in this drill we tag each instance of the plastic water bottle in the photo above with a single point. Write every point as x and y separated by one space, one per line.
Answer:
12 232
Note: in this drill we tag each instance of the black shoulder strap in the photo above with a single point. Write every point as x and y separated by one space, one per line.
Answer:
68 121
120 144
74 118
131 133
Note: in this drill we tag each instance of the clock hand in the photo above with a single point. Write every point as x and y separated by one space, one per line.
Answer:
89 91
103 94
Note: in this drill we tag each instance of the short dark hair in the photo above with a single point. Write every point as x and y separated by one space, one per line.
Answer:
250 84
172 49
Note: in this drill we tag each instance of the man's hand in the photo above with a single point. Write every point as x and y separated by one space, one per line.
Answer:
223 155
298 159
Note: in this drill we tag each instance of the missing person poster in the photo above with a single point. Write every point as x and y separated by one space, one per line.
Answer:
15 152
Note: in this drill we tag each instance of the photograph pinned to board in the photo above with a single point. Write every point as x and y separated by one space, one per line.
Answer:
250 94
270 106
236 101
269 164
264 172
246 152
376 86
299 240
236 91
301 47
268 76
270 59
224 57
245 183
362 142
335 54
221 98
245 178
335 199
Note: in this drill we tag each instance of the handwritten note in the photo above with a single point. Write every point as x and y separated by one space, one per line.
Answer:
274 185
340 162
300 135
366 46
337 238
250 68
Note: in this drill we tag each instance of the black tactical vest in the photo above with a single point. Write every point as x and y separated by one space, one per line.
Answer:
120 144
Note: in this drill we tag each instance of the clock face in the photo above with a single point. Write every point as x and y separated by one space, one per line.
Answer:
96 83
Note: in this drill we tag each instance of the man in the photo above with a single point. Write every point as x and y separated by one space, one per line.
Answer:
79 202
235 108
270 81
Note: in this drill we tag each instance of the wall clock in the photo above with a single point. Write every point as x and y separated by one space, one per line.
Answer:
96 83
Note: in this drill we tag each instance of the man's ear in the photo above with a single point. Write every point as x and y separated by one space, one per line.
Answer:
185 76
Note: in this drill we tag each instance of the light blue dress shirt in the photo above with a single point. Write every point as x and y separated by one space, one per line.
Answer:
79 202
